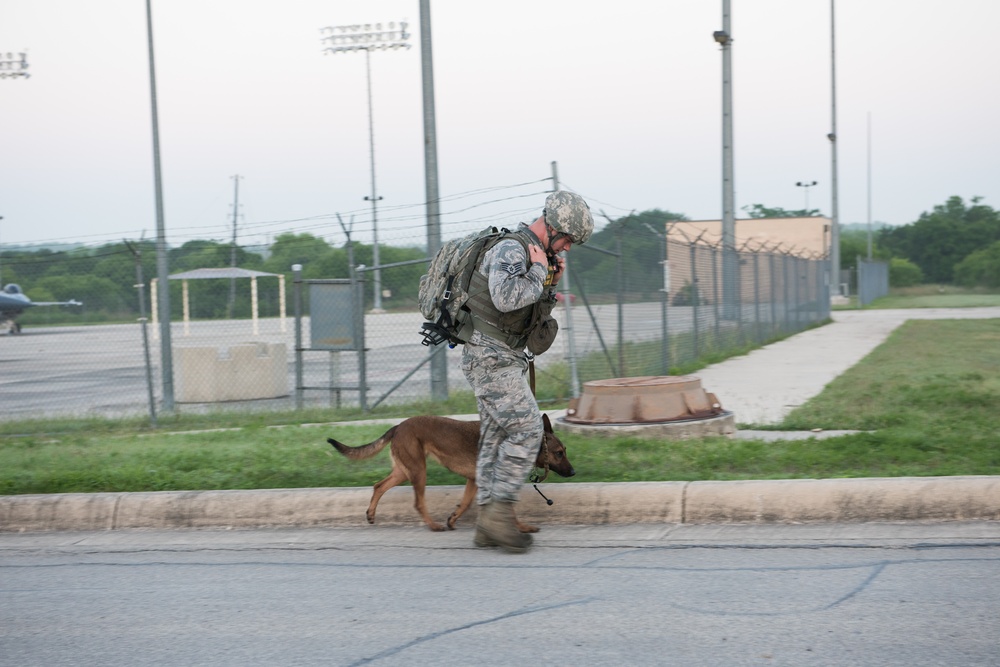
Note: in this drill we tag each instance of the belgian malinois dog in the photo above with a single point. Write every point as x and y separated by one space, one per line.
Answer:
455 445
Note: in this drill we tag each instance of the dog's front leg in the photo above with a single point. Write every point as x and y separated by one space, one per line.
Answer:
470 493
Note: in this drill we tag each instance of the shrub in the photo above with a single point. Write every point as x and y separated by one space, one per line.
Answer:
980 268
904 273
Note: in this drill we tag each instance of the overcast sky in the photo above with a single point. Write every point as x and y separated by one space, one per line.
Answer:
625 96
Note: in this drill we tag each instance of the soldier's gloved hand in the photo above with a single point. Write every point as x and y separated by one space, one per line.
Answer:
537 255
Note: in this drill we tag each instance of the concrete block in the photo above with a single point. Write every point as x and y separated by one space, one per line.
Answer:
244 372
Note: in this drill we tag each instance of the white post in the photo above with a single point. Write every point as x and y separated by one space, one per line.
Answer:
281 299
187 308
253 299
154 310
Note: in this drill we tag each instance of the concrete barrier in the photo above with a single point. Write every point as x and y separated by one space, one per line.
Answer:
778 501
247 371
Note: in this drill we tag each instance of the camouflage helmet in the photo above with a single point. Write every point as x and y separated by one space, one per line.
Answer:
568 213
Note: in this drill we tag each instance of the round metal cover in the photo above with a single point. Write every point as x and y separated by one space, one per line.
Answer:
643 400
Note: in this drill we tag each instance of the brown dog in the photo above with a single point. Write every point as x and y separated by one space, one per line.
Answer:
455 445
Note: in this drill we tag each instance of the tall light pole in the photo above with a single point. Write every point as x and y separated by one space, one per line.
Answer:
806 185
834 209
369 37
439 362
729 260
162 269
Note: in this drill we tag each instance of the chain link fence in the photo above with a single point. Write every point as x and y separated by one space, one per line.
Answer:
873 281
622 315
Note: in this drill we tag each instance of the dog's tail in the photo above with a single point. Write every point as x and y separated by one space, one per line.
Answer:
364 451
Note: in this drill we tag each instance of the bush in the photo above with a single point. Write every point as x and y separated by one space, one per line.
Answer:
904 273
980 268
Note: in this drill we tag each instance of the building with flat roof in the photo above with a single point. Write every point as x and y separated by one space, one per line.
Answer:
806 237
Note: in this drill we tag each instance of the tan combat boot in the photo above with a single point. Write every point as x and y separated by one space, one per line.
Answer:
496 527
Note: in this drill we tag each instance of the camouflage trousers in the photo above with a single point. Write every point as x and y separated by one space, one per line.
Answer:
510 432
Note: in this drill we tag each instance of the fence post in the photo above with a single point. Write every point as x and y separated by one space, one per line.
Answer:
297 304
695 296
797 265
715 292
664 303
756 297
621 301
359 326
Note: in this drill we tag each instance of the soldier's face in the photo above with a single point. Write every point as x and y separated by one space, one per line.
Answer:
562 241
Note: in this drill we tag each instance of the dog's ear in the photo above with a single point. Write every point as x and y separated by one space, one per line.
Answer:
546 423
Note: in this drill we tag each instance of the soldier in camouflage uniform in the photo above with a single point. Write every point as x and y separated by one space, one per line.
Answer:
521 275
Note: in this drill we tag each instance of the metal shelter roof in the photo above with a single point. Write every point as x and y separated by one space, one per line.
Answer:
225 272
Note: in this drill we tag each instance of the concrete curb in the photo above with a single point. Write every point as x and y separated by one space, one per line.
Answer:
779 501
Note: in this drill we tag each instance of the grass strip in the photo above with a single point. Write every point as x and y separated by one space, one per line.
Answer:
927 400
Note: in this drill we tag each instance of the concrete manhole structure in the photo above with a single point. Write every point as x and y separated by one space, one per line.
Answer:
671 407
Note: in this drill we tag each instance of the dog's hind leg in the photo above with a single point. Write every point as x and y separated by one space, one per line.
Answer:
418 478
395 478
470 493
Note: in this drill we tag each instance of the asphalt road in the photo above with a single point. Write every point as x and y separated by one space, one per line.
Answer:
834 594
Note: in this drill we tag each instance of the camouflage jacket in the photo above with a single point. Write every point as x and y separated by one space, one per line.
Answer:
509 297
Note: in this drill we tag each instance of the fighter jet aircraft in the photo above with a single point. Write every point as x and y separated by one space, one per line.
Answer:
13 302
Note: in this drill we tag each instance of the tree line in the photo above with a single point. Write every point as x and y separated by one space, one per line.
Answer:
957 242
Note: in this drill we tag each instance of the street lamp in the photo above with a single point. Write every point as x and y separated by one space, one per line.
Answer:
369 37
13 65
806 185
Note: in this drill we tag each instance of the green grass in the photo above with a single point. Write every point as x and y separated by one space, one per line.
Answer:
935 296
926 400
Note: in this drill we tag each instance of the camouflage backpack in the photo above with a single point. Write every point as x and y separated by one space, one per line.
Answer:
444 288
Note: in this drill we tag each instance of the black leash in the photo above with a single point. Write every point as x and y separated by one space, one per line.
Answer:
537 479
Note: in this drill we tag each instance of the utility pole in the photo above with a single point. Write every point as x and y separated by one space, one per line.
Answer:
869 186
439 362
162 269
834 208
369 37
232 248
729 265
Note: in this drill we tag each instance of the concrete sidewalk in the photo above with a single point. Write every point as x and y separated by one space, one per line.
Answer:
760 388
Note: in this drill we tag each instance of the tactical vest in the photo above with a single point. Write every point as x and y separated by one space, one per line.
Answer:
512 327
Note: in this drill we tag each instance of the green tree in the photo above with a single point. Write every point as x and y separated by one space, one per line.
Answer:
942 238
761 211
854 244
97 294
304 249
980 268
641 251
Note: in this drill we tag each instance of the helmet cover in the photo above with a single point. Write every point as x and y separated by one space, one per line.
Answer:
568 213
